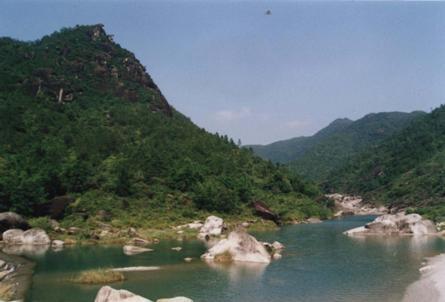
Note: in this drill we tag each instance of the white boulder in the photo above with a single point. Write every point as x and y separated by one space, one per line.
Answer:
277 245
108 294
13 237
239 246
30 237
213 226
195 225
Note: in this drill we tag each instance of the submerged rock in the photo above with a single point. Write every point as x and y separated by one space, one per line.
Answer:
213 226
136 269
411 224
239 246
130 250
176 299
109 294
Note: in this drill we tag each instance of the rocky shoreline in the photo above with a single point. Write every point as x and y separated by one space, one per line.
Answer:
15 277
431 285
354 205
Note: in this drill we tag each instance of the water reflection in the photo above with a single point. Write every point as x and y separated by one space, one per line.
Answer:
413 247
238 271
26 250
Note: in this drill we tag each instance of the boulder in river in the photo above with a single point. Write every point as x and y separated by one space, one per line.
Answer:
109 294
396 224
33 236
213 226
239 246
131 250
11 220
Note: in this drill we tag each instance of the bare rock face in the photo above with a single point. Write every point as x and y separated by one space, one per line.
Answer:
108 294
213 226
11 220
239 246
398 224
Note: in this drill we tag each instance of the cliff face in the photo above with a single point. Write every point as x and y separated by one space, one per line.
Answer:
75 64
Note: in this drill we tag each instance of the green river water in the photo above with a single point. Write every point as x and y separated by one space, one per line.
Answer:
318 264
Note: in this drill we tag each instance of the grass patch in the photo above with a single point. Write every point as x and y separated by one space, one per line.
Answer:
98 276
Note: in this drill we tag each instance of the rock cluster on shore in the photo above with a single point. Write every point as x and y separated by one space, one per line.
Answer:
30 237
396 224
354 205
109 294
15 277
213 226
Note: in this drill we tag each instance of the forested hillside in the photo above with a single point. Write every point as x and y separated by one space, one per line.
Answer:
288 150
80 116
332 147
406 170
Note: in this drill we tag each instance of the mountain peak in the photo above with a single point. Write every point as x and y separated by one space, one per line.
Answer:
77 63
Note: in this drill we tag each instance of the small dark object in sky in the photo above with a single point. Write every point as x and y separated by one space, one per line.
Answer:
268 12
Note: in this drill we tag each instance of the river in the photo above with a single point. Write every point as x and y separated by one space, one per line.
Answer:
318 264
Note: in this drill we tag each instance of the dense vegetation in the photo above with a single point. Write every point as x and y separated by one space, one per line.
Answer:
80 116
334 146
406 170
288 150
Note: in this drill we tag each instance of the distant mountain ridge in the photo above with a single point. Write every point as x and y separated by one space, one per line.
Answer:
405 170
285 151
330 148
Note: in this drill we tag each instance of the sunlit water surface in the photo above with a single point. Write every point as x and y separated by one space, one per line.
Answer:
319 264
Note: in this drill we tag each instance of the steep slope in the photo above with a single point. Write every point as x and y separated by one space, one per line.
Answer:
287 150
79 116
407 169
337 149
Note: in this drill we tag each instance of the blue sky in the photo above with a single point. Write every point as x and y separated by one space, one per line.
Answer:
234 70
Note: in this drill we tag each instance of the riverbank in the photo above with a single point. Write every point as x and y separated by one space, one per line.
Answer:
15 277
431 286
